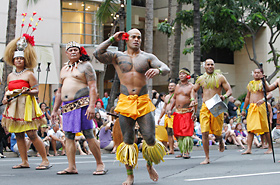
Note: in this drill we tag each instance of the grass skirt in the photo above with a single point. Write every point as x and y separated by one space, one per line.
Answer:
153 154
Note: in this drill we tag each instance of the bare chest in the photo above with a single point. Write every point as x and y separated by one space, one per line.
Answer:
139 63
72 74
184 90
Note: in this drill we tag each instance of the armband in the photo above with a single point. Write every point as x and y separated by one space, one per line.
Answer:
112 39
243 110
225 96
160 71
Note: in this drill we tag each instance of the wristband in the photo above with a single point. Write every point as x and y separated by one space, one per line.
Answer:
225 96
243 110
112 39
263 99
192 99
160 71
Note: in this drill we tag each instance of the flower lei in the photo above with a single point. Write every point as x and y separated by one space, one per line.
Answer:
255 86
209 80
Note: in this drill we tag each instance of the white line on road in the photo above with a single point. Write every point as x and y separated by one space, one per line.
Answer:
232 176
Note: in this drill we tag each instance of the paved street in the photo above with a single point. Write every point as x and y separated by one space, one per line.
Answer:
229 167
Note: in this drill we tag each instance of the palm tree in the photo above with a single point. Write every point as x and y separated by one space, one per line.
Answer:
197 51
169 39
174 65
148 45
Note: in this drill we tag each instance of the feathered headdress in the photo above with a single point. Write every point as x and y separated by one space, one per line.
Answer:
23 46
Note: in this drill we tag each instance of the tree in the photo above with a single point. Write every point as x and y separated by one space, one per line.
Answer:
148 45
167 28
233 24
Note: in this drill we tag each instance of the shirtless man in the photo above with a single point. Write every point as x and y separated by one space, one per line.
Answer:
257 122
134 67
77 83
183 124
212 83
168 122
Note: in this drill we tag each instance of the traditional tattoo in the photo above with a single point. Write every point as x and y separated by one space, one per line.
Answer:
124 90
88 70
141 66
82 92
125 66
104 56
144 90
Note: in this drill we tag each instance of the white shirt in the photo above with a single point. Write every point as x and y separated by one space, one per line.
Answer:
58 134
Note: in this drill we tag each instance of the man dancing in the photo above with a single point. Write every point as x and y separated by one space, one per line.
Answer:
134 67
183 124
168 121
212 83
77 91
257 122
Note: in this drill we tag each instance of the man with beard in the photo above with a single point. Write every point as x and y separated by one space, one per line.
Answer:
183 124
168 121
212 82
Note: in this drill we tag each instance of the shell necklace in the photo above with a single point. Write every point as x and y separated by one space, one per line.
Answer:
19 73
71 66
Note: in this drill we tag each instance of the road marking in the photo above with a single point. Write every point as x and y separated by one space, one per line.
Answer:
232 176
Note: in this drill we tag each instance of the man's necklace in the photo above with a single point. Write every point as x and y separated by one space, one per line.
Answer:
19 73
71 66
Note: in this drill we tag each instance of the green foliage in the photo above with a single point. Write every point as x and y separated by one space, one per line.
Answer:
166 28
242 96
105 10
31 1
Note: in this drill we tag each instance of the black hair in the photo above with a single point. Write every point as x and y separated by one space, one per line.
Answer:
84 57
159 99
184 68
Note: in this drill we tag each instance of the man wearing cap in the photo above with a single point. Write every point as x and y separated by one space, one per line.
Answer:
134 67
212 83
77 91
183 125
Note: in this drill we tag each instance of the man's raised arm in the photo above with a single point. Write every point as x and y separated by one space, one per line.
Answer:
101 53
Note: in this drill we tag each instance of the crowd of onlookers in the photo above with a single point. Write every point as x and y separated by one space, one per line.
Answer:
107 129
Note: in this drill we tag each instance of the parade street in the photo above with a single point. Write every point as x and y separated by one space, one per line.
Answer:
229 167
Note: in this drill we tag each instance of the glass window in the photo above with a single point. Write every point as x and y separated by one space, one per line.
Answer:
79 22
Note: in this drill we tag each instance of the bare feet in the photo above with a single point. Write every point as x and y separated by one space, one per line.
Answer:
206 161
153 173
269 151
129 180
221 146
247 152
83 153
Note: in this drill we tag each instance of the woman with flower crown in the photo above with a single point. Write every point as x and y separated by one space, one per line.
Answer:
23 114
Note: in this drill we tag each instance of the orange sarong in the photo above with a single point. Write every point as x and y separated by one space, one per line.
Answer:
209 123
257 119
134 106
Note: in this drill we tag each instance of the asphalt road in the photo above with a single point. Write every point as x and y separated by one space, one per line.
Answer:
227 168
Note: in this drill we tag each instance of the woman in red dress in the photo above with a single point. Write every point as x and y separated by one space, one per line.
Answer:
23 115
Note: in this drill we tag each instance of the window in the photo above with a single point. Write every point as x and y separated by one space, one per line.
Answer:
79 22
